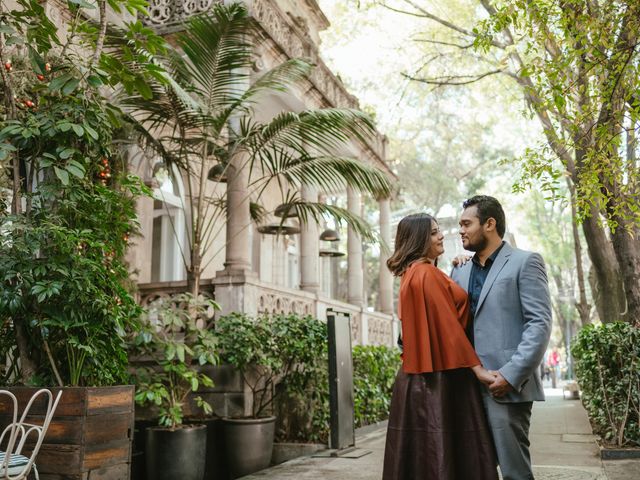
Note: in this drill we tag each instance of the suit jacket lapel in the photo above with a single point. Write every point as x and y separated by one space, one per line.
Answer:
500 262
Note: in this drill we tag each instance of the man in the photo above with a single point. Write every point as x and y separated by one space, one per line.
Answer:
510 329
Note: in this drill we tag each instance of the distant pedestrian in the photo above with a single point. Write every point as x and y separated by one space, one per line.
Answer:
437 426
510 330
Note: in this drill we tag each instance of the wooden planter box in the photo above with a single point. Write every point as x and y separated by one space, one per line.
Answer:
90 434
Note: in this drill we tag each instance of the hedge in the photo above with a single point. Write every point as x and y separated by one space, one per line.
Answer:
607 364
303 410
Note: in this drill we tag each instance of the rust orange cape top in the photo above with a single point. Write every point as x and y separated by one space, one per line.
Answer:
434 311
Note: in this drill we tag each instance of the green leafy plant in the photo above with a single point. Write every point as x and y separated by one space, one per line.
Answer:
607 364
177 340
272 353
64 286
305 411
374 373
64 278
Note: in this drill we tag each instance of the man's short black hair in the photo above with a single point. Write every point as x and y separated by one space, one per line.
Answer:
488 207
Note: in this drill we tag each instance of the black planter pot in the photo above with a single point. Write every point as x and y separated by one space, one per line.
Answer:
176 454
248 443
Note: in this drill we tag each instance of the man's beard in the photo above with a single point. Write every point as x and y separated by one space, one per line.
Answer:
479 245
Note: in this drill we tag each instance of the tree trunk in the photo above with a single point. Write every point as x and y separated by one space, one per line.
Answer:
194 272
582 305
608 294
27 364
628 255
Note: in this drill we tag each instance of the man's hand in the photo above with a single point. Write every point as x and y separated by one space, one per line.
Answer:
460 260
500 386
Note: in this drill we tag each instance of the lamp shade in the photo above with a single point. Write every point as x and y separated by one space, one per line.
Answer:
330 235
278 229
286 210
217 173
331 253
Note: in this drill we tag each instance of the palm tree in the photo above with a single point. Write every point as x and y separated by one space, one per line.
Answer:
203 117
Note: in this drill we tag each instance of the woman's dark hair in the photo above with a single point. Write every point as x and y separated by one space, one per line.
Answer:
488 207
413 240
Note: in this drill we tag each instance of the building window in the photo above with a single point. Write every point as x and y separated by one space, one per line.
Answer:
169 249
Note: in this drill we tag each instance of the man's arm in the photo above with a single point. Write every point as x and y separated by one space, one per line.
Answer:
536 311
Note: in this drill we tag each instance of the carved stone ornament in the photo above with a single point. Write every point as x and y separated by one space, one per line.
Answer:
168 12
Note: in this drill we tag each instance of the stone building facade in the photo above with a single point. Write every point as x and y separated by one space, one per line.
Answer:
250 271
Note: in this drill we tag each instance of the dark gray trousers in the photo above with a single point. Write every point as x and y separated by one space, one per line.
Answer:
509 424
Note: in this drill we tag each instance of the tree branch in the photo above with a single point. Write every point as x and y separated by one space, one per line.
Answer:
448 44
426 14
102 32
452 80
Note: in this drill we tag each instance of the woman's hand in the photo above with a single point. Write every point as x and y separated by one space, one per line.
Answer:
460 260
483 375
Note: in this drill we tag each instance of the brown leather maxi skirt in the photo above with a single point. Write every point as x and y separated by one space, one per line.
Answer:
438 429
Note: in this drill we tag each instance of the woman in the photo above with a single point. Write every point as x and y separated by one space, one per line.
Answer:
437 426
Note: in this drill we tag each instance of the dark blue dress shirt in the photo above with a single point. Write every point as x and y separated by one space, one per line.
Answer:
477 278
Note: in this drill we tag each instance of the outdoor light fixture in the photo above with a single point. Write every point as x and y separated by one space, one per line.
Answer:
331 253
330 235
286 210
278 229
218 173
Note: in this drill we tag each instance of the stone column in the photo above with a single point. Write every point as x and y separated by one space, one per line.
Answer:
238 246
385 276
355 277
309 247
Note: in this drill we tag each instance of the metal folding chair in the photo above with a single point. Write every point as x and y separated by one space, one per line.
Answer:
14 465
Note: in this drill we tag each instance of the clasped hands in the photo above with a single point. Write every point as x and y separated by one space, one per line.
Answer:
497 384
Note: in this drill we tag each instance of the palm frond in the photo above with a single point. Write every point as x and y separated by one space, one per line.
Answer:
218 55
330 173
280 78
324 130
316 212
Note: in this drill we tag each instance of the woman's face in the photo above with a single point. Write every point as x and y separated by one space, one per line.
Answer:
436 248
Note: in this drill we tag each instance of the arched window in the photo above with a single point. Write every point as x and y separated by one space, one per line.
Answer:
169 226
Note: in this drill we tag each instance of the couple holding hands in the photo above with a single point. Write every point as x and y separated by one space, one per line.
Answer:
472 345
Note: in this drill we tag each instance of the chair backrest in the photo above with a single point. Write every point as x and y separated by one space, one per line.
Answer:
19 432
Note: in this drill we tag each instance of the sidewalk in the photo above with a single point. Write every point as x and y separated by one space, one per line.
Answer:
562 448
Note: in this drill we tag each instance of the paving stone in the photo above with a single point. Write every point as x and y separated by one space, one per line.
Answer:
567 473
578 438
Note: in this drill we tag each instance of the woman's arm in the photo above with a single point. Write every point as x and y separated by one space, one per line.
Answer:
483 374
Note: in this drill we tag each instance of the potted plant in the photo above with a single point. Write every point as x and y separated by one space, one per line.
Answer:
176 340
65 301
269 353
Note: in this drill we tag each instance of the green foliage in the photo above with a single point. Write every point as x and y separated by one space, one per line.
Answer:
62 259
306 411
177 339
63 271
64 298
374 373
274 353
578 68
607 363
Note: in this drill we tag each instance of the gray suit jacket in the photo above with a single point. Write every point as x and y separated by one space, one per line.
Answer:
512 320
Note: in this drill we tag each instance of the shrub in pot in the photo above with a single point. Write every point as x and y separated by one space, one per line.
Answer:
270 353
175 340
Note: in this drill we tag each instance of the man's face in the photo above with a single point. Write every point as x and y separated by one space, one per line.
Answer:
472 233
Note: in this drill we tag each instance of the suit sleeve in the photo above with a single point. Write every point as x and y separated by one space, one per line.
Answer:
536 312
